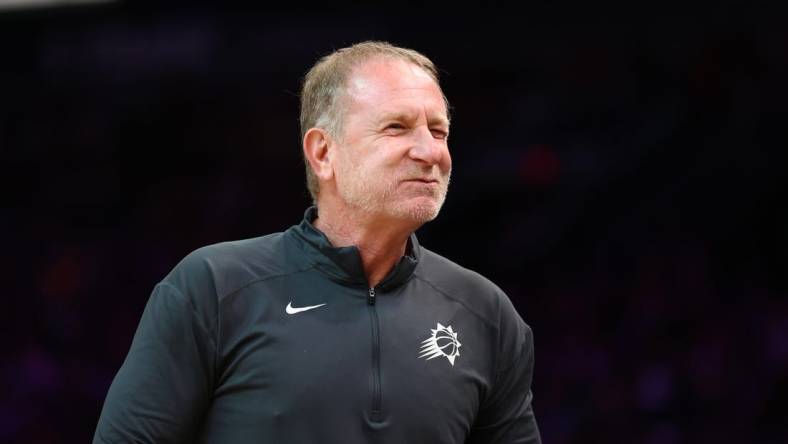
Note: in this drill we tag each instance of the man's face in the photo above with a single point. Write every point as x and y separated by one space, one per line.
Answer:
393 159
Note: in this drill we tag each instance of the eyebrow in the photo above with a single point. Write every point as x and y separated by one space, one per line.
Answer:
404 116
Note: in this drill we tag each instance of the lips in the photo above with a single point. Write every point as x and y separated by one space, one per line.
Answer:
422 180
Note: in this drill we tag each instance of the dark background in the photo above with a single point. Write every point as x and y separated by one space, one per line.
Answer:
617 173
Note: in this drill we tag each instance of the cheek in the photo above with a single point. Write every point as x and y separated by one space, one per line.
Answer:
350 160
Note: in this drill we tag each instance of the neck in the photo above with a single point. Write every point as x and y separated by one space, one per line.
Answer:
381 243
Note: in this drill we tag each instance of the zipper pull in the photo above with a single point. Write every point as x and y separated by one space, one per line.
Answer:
371 297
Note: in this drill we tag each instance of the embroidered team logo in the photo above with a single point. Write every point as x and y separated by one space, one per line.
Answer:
443 342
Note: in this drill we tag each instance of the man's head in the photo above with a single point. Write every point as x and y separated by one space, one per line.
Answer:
374 124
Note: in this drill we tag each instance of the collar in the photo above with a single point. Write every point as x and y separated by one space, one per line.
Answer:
343 264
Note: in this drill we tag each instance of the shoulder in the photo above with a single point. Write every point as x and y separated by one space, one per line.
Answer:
485 299
477 293
225 267
204 276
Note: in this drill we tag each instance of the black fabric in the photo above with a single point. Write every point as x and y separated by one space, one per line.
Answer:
217 358
344 264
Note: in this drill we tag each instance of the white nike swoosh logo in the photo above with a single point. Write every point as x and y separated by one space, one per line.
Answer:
293 310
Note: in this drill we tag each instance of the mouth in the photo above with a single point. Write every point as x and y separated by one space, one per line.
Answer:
422 180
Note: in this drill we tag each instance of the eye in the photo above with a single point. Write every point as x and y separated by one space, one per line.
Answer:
394 126
439 133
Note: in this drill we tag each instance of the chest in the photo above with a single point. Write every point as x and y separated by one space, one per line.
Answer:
412 363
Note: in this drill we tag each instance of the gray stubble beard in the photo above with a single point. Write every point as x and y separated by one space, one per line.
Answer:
364 199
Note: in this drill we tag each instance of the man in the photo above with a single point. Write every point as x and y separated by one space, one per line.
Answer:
341 329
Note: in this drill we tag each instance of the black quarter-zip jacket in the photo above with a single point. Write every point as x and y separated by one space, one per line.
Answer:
279 339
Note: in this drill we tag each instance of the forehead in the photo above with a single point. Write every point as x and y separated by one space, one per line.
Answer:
382 86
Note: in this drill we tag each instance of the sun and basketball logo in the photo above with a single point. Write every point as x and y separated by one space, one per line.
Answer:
442 342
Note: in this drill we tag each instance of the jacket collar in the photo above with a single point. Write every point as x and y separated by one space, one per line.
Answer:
343 264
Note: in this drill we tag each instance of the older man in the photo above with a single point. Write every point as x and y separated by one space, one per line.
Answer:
342 328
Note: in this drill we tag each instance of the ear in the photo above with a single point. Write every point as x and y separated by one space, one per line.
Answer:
316 150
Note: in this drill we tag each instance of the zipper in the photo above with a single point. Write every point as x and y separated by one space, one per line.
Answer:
376 395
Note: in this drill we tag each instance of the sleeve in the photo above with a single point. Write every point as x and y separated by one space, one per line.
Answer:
506 414
163 388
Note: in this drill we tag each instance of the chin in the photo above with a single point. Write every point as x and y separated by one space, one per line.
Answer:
421 211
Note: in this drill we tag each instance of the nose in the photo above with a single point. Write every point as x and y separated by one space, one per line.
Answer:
426 148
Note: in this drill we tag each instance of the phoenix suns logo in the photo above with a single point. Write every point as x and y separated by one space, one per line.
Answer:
442 342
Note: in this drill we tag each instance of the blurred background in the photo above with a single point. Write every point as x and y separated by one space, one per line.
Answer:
618 173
